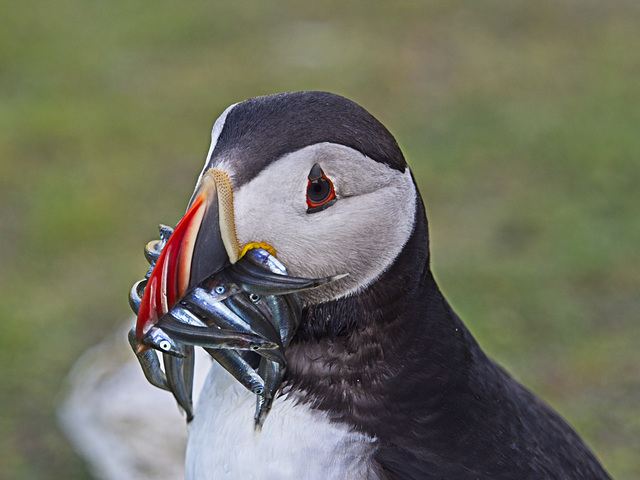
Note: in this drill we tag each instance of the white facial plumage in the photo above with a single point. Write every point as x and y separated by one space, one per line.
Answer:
360 234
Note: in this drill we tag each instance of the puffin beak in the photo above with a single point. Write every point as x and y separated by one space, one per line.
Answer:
203 242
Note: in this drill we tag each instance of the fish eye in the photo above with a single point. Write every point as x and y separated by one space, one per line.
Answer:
254 298
165 345
320 191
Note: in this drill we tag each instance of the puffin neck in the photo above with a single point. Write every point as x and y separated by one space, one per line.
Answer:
405 280
348 353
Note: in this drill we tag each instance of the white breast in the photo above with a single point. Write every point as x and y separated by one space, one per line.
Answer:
296 442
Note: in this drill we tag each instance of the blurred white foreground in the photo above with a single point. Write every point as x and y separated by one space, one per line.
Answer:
122 426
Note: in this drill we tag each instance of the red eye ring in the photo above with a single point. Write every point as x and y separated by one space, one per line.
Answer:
320 191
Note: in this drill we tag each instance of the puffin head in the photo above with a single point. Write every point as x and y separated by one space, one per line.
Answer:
313 177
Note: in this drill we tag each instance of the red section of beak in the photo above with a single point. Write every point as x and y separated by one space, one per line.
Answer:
169 279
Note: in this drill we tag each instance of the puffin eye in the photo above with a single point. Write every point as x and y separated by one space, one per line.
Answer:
320 191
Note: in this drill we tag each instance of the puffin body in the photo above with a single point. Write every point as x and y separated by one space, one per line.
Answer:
383 380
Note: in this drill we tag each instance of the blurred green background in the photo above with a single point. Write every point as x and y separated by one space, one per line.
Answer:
521 121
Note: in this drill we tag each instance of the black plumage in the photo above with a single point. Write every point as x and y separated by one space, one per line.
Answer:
395 361
262 129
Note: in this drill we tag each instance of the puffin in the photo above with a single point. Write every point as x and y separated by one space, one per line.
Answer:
383 380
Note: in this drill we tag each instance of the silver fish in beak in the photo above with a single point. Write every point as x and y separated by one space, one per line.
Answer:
204 290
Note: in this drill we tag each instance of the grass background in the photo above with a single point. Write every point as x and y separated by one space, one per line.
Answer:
521 121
